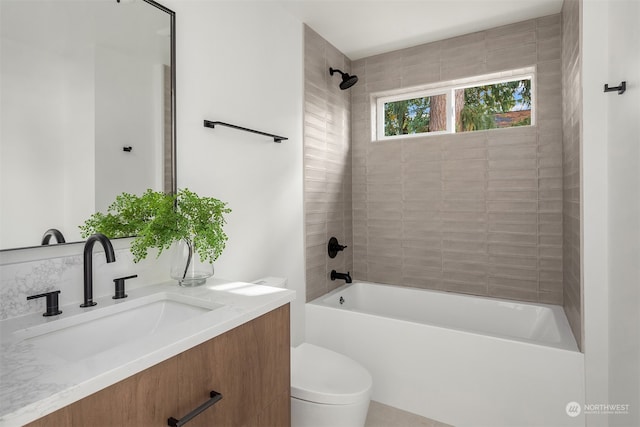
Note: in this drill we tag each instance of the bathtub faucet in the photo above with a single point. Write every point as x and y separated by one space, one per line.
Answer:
342 276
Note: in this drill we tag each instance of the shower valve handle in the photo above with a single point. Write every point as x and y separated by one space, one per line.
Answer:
334 247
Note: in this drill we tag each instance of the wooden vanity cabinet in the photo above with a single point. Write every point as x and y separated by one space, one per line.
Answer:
248 365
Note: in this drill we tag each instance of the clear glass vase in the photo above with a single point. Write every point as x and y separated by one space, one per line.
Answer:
186 266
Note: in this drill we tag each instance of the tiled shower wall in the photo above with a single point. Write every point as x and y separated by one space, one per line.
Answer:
479 212
327 164
572 127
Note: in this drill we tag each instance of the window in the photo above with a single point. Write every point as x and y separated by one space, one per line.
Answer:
496 105
461 106
410 116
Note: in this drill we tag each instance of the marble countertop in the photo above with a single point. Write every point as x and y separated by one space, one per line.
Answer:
35 382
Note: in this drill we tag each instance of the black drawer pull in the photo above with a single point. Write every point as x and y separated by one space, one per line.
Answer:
215 397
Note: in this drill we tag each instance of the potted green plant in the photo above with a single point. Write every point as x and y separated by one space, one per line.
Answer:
192 223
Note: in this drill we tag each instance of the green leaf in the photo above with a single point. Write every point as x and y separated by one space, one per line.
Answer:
158 220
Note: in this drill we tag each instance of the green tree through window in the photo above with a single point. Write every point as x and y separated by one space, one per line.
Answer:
481 107
408 116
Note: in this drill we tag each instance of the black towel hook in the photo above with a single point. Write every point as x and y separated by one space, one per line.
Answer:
620 89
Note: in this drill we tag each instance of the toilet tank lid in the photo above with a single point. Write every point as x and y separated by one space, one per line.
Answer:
323 376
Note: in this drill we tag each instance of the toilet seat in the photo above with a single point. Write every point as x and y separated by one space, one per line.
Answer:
323 376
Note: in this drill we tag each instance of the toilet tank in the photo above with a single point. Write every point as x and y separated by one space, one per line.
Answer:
276 282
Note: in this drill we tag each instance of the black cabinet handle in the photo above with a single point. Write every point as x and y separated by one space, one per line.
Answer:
215 397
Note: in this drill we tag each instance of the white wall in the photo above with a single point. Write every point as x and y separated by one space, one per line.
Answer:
594 213
611 160
624 210
241 63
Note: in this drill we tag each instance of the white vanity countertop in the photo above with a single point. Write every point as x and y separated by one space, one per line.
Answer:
34 382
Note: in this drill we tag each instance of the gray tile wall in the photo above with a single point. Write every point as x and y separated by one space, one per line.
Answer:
477 213
572 128
327 164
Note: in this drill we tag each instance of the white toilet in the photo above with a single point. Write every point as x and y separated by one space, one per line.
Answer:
328 389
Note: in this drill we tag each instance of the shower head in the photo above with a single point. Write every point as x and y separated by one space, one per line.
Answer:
347 80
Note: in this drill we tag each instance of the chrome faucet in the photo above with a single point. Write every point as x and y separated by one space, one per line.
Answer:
88 264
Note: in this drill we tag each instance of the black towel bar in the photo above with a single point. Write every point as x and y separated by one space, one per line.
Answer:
276 138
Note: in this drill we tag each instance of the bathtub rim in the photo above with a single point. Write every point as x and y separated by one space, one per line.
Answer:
567 342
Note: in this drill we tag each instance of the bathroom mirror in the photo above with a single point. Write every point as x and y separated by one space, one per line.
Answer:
87 111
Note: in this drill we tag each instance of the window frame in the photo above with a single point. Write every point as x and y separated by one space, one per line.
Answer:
447 88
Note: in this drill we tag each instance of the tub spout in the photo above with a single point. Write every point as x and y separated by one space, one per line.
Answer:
342 276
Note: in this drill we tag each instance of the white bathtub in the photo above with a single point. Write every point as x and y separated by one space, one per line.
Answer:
462 360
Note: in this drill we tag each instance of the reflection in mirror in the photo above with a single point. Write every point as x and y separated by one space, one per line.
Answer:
52 232
87 111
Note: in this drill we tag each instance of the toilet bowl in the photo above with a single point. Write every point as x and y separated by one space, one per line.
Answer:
328 389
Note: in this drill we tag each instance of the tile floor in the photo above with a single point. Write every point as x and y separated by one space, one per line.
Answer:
381 415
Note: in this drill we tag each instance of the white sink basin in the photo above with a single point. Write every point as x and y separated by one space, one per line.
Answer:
87 334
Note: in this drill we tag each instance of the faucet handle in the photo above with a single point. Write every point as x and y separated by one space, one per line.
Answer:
119 284
52 303
334 247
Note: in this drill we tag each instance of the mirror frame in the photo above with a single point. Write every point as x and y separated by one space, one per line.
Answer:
174 185
172 15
